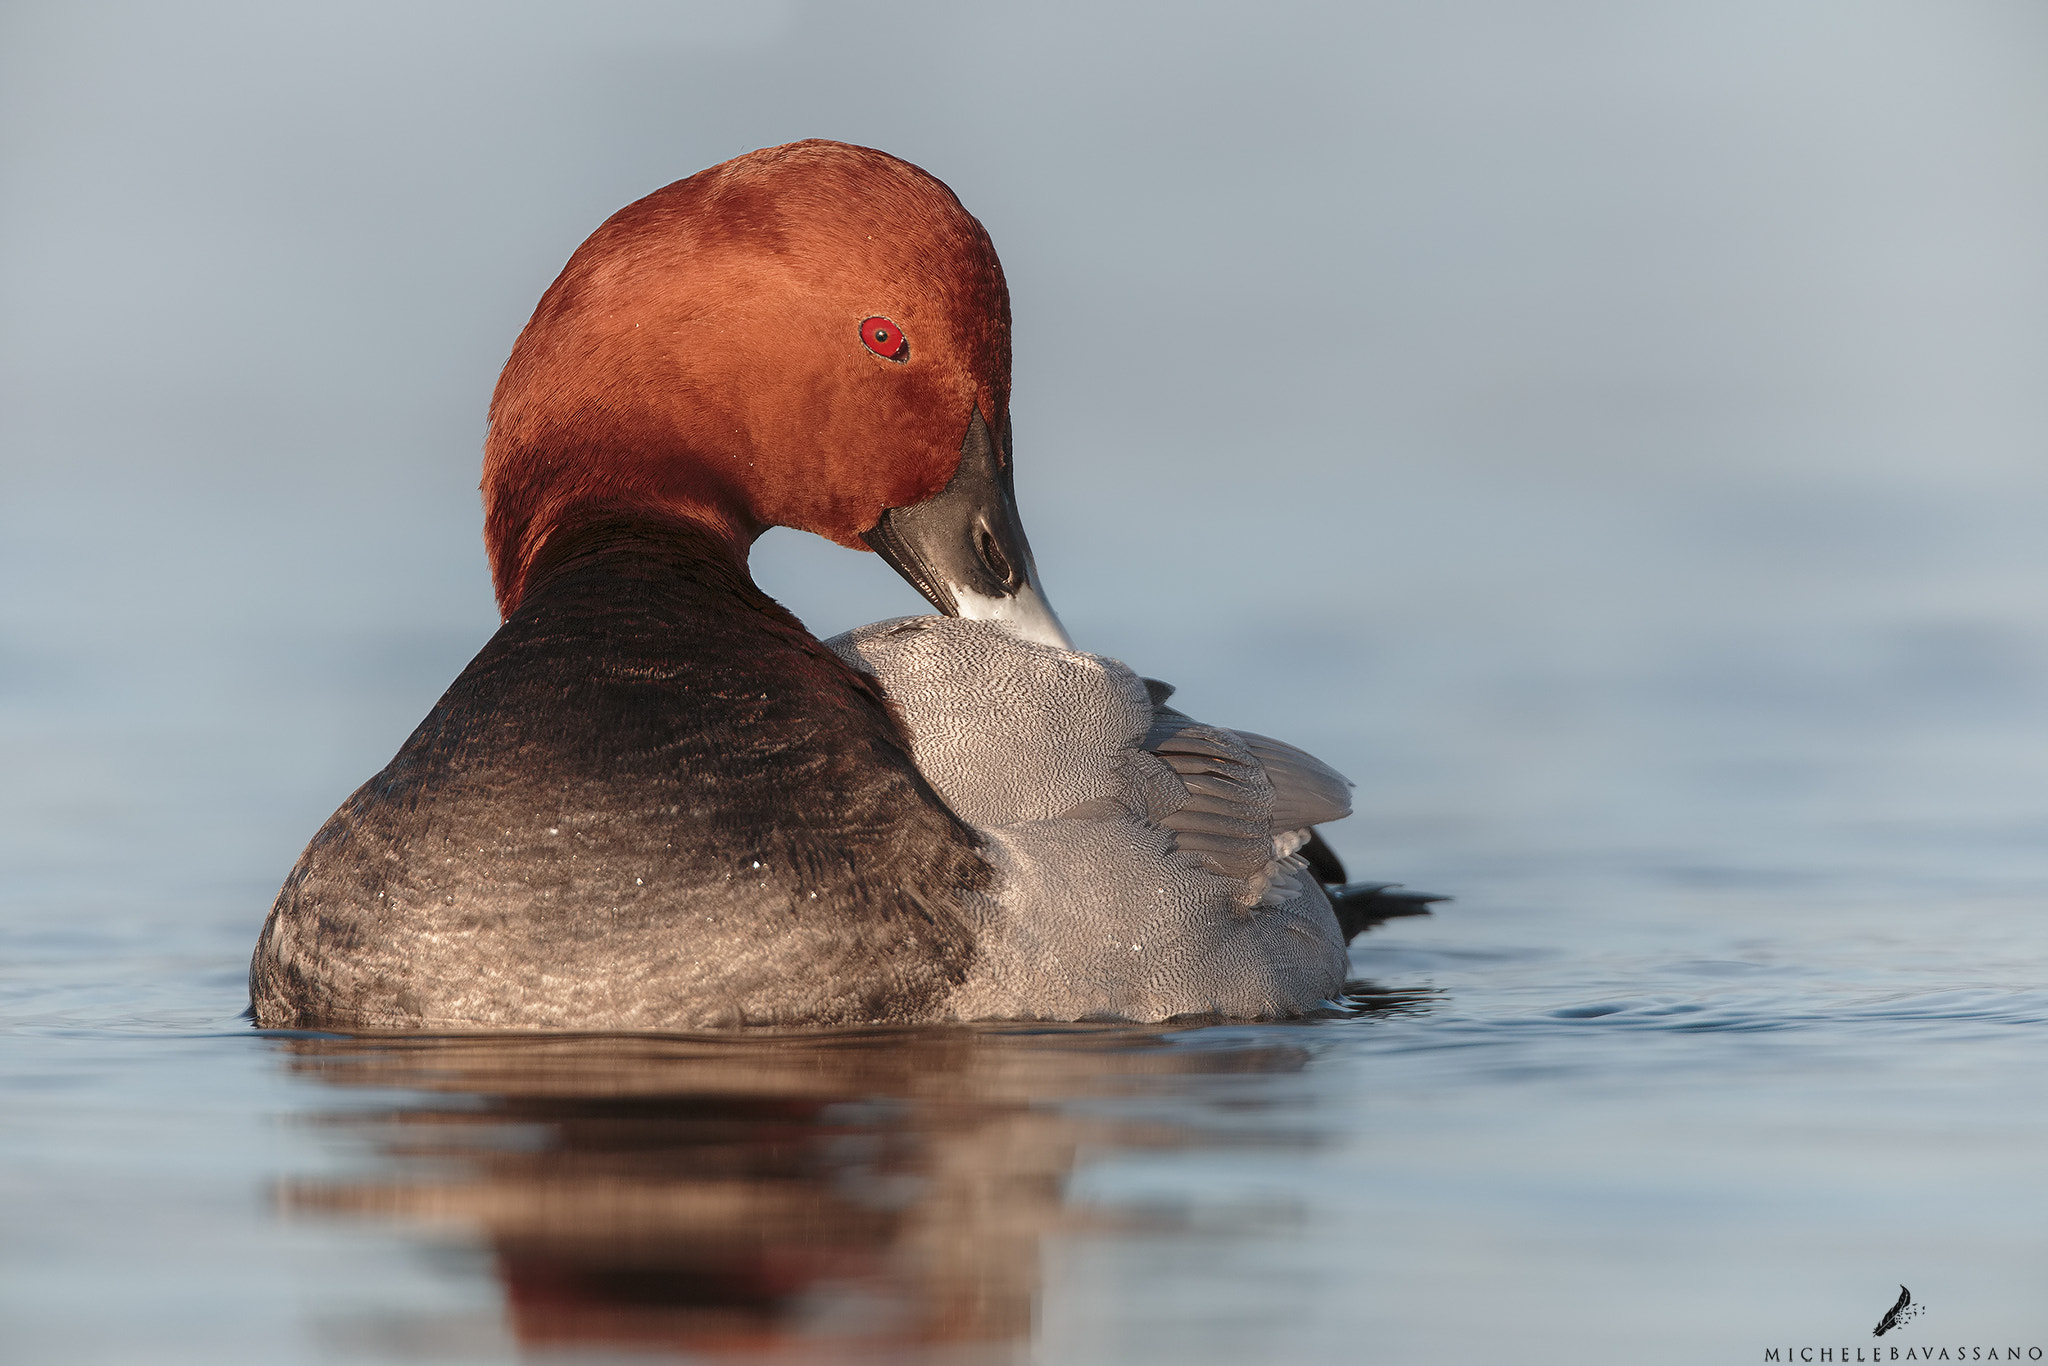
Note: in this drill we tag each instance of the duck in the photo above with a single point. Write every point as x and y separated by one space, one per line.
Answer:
655 801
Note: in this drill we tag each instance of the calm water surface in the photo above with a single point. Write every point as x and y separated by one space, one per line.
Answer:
1623 1100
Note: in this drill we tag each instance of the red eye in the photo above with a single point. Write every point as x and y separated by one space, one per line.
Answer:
885 339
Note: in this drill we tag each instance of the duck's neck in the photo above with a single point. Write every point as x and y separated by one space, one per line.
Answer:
655 542
624 543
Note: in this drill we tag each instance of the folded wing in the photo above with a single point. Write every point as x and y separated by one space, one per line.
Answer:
1252 800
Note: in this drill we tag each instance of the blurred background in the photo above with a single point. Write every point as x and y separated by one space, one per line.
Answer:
1553 414
1611 431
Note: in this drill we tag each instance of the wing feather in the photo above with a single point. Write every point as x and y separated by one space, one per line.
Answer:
1306 791
1248 795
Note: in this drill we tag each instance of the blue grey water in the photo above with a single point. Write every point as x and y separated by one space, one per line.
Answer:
1610 432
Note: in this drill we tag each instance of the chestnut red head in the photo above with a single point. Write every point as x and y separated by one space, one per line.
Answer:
799 337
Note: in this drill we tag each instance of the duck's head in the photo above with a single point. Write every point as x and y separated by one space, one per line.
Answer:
813 336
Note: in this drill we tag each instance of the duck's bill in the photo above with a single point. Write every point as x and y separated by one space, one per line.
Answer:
964 548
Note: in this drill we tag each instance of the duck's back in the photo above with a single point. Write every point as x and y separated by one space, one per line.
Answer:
653 801
1146 862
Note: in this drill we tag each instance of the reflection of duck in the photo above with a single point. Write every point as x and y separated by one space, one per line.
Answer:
821 1196
655 801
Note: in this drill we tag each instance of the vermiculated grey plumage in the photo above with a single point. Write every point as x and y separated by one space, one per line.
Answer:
1142 871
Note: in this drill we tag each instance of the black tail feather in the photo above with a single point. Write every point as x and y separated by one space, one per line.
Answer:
1362 905
1323 860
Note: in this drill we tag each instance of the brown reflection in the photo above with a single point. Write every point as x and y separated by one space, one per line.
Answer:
750 1194
821 1198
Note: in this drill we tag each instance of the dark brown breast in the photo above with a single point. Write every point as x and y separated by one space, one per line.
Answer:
653 801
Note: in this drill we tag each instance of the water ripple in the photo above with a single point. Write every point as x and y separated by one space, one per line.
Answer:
1757 1011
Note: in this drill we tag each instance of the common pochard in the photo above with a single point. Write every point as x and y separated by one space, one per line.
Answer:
654 801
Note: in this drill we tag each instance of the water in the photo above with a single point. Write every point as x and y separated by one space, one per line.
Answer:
1681 1103
1614 440
1721 1155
